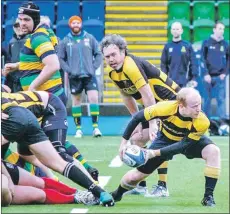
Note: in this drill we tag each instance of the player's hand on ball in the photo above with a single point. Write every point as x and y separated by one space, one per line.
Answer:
122 148
153 129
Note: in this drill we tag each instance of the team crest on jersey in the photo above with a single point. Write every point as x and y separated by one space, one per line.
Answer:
170 50
222 48
129 87
65 123
86 41
47 124
183 50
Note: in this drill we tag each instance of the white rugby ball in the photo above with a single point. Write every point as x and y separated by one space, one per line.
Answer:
134 156
224 130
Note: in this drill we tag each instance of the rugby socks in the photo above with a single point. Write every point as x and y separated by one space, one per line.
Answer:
77 176
94 112
74 152
55 197
162 173
117 194
58 186
211 176
142 184
76 112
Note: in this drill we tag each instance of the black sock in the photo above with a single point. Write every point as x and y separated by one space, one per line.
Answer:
162 183
77 176
119 192
142 184
210 184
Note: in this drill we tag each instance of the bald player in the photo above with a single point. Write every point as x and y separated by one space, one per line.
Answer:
178 59
182 132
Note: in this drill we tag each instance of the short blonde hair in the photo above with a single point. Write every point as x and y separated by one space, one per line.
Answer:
184 93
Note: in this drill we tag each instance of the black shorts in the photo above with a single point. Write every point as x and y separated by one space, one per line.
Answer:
24 150
193 151
13 171
78 84
22 127
55 116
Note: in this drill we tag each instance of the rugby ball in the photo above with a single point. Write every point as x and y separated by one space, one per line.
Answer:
223 130
134 156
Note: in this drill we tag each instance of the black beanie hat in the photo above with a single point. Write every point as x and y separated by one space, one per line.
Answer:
31 10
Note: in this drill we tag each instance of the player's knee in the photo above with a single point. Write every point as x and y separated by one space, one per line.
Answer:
6 194
214 150
62 151
93 99
211 151
134 176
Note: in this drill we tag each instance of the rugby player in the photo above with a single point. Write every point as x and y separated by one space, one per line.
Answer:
26 188
21 126
39 64
143 83
182 132
52 114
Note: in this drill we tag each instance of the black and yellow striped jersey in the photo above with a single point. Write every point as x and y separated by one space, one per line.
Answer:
137 72
173 125
38 45
27 99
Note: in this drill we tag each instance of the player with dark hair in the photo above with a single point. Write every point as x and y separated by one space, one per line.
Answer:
39 64
143 83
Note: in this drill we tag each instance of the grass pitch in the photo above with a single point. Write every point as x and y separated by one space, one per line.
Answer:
185 183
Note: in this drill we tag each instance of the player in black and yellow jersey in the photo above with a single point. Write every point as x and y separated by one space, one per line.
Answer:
143 83
182 132
20 125
39 65
52 115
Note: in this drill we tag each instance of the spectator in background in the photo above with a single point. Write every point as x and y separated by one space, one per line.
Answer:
80 57
15 45
215 66
178 59
3 60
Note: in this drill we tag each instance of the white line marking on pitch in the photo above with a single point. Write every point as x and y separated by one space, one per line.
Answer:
80 210
116 162
103 180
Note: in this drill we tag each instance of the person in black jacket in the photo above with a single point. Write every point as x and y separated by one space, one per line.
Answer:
178 59
215 66
14 47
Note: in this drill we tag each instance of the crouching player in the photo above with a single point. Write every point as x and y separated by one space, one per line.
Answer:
21 126
21 187
182 132
52 114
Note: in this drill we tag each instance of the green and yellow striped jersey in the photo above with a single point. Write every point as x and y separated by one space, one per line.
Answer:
37 46
14 158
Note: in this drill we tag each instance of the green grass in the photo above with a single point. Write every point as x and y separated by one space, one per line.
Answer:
185 183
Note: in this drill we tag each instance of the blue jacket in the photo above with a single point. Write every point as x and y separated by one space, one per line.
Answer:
179 62
215 57
79 55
